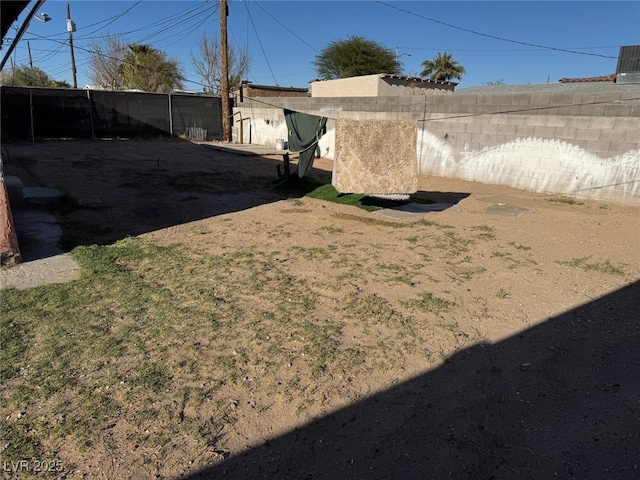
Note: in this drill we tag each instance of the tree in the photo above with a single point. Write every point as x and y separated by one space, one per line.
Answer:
442 68
497 82
105 64
145 68
208 63
24 75
353 57
60 84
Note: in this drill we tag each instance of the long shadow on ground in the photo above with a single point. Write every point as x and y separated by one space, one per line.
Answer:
560 400
115 189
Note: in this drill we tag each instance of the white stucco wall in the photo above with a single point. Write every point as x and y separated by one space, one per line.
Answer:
580 148
537 164
364 86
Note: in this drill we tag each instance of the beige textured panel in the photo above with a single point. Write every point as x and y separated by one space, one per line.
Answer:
375 157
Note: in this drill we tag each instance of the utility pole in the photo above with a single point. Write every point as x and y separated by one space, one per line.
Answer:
224 70
71 27
30 59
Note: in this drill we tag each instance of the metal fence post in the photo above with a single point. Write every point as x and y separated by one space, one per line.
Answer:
93 133
170 116
33 136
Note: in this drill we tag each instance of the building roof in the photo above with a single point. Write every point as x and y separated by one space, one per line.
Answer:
273 88
601 78
397 77
416 79
556 87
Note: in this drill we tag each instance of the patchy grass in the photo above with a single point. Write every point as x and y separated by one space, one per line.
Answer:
454 244
600 267
222 181
565 200
503 293
67 203
519 246
323 191
430 304
156 337
485 232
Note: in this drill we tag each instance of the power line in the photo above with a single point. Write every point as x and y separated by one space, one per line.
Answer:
197 16
162 25
492 50
288 29
565 50
246 4
113 19
190 19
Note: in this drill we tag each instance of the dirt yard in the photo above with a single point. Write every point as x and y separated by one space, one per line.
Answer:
499 338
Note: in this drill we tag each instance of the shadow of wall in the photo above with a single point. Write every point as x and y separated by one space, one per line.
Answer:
559 400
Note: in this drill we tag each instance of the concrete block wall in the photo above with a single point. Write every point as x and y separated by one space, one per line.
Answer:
582 144
9 249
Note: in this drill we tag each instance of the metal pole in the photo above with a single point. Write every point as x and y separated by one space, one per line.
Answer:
33 135
70 29
170 117
93 133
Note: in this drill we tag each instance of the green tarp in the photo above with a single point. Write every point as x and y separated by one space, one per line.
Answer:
304 133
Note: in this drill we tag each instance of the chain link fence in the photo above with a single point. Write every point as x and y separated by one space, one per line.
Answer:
33 113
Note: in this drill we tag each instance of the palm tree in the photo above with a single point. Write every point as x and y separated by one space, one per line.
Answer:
442 68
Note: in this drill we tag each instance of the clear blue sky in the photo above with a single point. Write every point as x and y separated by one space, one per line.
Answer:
284 37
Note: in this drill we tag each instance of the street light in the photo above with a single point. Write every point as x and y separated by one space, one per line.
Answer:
23 28
45 17
398 56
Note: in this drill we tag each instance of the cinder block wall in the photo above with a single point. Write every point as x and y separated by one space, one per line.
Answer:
582 144
9 250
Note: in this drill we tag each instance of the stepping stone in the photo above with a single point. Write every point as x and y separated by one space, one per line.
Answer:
41 195
410 210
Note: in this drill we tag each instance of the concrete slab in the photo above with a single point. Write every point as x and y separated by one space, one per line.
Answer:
57 269
424 207
245 149
506 210
41 195
38 233
411 210
394 214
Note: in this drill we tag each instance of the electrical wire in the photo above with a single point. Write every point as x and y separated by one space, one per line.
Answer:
112 19
191 19
246 4
197 16
492 50
161 25
84 51
565 50
287 28
143 67
179 77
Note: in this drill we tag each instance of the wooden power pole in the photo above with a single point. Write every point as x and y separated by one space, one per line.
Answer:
71 27
224 70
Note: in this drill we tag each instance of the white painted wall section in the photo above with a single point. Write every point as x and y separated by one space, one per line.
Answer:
536 164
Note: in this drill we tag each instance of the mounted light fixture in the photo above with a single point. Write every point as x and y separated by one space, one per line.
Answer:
45 17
